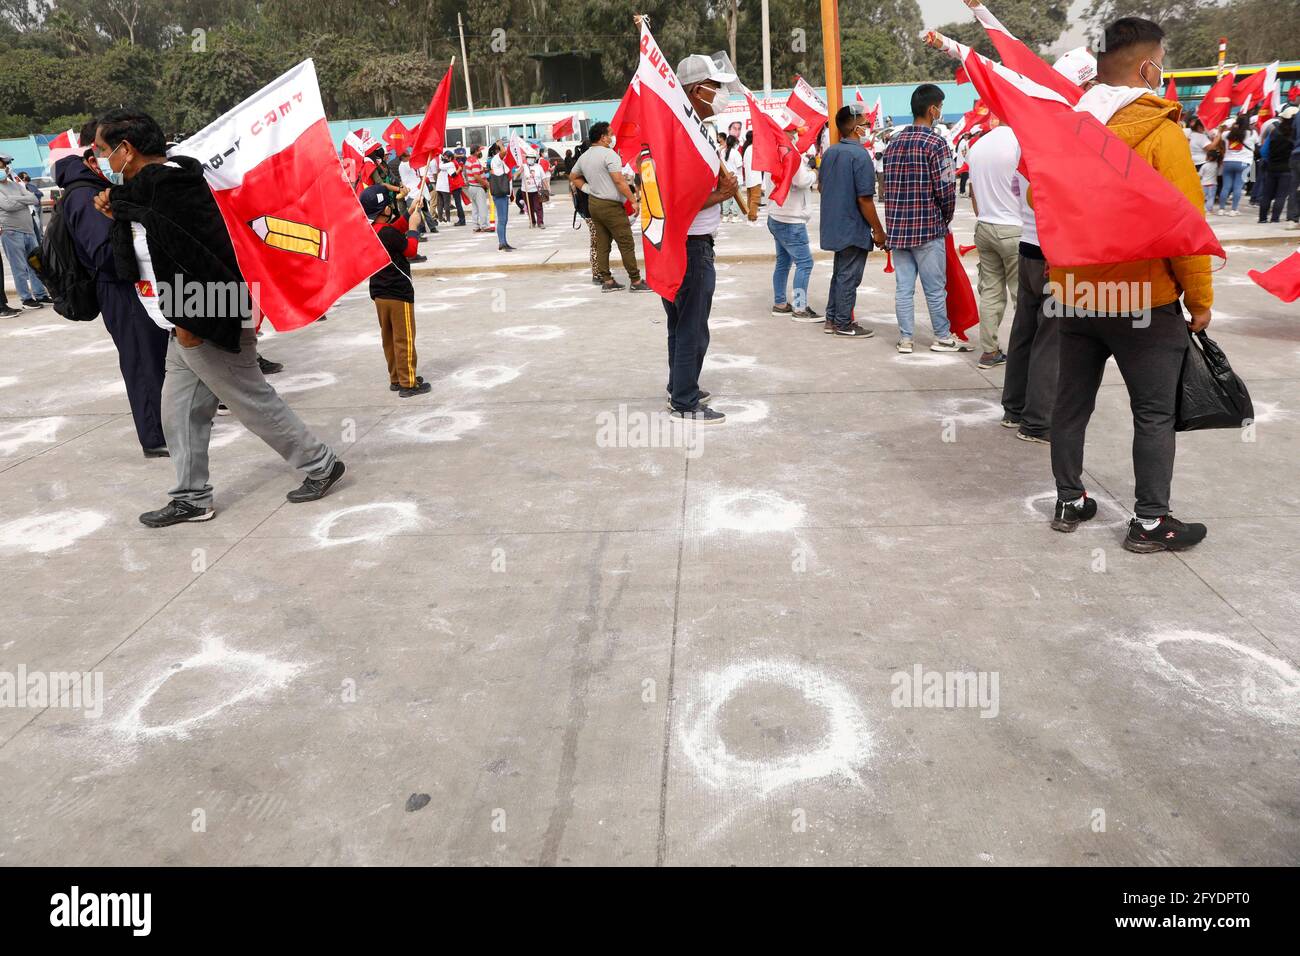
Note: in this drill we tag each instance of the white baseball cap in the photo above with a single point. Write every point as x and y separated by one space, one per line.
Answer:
1077 65
698 67
1289 112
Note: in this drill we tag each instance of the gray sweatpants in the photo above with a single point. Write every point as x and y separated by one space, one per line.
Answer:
197 379
478 198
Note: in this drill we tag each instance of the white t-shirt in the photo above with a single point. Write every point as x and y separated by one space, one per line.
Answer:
146 290
445 170
1197 142
735 164
993 161
532 177
706 223
410 178
1028 224
497 166
752 176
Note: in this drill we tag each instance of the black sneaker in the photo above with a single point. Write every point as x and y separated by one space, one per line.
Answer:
417 258
313 488
610 285
1036 439
992 359
703 415
1068 514
505 247
806 315
785 308
854 331
176 512
159 452
394 387
640 286
704 397
8 313
420 388
1169 535
829 326
1009 422
44 300
32 304
268 367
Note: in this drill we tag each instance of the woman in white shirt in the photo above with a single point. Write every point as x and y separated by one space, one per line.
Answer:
735 164
753 181
531 181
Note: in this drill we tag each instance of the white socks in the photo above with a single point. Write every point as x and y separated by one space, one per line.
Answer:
1149 524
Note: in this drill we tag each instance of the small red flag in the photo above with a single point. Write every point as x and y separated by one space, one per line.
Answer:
563 129
1016 56
1282 280
396 135
1216 106
773 151
430 135
963 313
810 111
1171 91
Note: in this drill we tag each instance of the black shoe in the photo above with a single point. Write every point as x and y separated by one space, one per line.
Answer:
268 367
703 415
596 280
176 512
785 308
1169 535
44 300
640 286
417 258
704 397
1068 514
854 331
223 408
1009 422
313 488
505 247
32 304
159 452
420 388
610 285
7 313
394 387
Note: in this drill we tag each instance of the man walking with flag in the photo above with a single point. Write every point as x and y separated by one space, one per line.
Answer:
1148 338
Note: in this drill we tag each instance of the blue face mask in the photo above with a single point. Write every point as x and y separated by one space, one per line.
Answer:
106 171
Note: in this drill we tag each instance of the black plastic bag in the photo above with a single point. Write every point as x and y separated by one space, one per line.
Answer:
1210 393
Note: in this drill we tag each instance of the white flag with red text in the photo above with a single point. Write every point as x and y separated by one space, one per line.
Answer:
299 234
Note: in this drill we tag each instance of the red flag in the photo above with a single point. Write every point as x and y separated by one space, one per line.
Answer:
660 130
1282 280
963 313
67 143
773 151
810 111
298 232
1171 91
563 129
1216 106
1023 60
515 153
396 135
959 75
1127 211
1293 95
428 139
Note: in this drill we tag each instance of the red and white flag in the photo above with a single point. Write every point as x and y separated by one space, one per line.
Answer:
396 135
660 134
67 143
562 129
357 145
427 140
1282 280
1217 104
298 232
808 111
1260 87
1023 60
516 152
773 151
878 115
1097 201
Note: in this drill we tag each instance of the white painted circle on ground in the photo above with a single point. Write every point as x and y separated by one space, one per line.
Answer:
742 411
751 512
427 307
483 276
439 425
486 376
33 330
375 523
727 322
37 431
303 382
845 746
566 302
723 360
531 333
106 346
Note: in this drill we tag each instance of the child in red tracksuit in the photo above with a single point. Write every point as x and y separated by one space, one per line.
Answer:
394 293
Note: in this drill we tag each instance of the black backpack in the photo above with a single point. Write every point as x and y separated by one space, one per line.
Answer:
70 284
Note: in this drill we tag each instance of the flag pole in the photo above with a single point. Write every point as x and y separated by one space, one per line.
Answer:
767 51
831 52
464 60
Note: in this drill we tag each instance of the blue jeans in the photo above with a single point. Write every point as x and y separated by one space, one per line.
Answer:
930 261
1211 189
1233 182
791 248
846 276
502 204
17 245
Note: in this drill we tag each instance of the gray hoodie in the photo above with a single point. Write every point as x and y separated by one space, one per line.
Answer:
16 203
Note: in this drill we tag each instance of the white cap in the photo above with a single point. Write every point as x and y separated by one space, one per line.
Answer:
697 68
1289 112
1077 65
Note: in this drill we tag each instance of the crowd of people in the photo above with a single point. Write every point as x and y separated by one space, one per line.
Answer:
137 213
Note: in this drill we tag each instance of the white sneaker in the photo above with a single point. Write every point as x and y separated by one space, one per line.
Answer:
951 345
1235 212
905 346
1292 225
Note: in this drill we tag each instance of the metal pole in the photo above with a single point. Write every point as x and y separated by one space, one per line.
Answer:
767 52
831 52
464 61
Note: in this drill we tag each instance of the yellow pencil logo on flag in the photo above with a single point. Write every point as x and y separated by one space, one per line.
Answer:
291 236
652 204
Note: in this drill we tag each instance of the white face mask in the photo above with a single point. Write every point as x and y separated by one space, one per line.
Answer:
1160 71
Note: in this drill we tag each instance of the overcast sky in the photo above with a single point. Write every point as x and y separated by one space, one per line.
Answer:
935 12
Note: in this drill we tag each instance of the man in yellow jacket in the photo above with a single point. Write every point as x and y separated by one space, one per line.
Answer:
1130 310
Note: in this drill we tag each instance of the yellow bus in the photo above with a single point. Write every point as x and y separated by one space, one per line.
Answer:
1195 83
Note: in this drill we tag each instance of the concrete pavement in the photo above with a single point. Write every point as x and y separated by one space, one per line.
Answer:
530 627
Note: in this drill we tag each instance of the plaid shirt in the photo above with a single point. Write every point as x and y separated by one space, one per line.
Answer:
920 188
